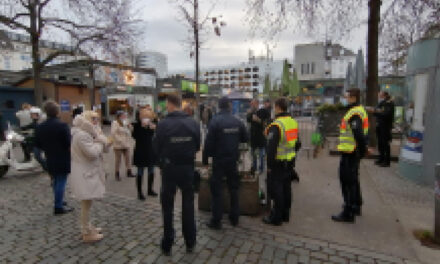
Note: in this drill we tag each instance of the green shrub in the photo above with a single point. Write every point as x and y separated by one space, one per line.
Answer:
330 108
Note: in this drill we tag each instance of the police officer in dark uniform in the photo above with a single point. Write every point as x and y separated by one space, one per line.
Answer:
225 133
282 139
384 113
352 146
176 142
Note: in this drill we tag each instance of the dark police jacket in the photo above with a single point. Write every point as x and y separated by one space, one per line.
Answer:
177 139
225 133
258 140
53 137
273 139
385 115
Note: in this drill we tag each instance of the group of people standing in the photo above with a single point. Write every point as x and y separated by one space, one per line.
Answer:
172 144
79 152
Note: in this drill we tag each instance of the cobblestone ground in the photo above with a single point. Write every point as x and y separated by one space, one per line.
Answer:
397 190
31 234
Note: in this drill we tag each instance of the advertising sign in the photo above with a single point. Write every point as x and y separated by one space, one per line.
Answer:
189 86
413 148
65 106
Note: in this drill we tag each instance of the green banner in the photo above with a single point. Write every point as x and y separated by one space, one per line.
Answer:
189 86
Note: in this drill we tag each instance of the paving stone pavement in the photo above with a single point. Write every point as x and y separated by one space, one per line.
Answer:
397 190
31 234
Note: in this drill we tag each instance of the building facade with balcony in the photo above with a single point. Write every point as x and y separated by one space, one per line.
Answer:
245 77
16 51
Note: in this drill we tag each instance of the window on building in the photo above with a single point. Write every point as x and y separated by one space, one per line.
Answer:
313 68
329 52
302 69
308 68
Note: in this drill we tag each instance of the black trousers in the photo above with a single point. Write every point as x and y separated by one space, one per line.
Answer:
349 179
173 177
228 171
383 144
279 187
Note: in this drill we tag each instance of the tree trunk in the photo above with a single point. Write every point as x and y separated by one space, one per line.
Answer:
36 65
373 61
196 38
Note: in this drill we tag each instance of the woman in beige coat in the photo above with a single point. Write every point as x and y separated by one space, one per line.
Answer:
121 136
87 178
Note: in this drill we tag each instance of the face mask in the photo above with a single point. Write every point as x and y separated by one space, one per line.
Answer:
125 122
145 121
344 101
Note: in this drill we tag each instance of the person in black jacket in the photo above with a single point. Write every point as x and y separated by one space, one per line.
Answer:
143 156
258 120
176 142
53 137
280 172
353 126
384 113
225 133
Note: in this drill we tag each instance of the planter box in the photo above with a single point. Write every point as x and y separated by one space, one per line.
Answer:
248 196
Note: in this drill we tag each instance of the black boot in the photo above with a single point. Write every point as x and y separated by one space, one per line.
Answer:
270 221
150 185
129 174
357 211
286 215
139 179
117 177
345 216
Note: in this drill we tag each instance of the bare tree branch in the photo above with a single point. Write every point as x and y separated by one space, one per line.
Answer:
12 23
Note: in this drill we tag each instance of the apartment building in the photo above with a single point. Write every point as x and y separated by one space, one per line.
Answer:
16 51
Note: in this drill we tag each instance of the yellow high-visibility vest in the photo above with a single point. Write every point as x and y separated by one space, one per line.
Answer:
347 143
288 136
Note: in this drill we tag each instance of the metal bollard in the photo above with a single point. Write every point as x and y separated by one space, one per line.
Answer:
437 203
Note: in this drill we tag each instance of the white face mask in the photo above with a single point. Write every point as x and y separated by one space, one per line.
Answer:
145 121
125 122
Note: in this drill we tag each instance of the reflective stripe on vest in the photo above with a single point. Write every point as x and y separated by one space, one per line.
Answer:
288 136
347 143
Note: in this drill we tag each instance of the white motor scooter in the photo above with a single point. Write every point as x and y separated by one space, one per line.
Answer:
8 157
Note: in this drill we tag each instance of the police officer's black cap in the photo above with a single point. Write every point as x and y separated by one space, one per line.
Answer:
224 103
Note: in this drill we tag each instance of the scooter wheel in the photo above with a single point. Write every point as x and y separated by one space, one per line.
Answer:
3 170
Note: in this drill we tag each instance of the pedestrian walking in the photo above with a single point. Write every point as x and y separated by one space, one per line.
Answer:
176 142
353 147
24 120
225 133
121 136
53 137
143 157
87 179
384 113
282 138
29 132
24 115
